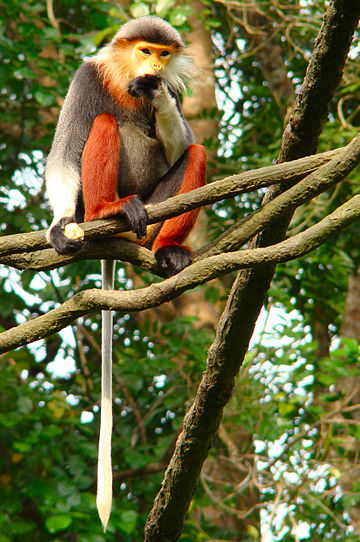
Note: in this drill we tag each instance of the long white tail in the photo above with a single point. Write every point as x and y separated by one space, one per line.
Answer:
104 472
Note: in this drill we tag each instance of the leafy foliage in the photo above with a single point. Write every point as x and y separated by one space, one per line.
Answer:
293 410
49 429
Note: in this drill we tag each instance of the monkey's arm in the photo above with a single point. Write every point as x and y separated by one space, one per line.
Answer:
172 128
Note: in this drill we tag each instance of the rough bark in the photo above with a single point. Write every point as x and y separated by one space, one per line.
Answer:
247 296
351 323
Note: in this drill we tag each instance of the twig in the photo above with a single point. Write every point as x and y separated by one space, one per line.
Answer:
240 514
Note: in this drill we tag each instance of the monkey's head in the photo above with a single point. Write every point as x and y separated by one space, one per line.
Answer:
150 29
149 46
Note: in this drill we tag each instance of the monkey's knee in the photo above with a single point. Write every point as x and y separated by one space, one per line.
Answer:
66 237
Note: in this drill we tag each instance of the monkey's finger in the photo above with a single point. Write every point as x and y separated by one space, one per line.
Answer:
144 85
134 213
173 258
64 238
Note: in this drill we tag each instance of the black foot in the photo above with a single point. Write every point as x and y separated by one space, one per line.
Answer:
133 211
173 259
144 86
59 241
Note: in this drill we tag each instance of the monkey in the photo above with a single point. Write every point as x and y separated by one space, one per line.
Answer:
121 142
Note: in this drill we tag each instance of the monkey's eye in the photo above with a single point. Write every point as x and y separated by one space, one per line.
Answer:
145 51
164 53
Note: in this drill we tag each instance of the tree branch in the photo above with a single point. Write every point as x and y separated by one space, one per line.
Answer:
94 300
216 191
30 250
286 202
246 298
204 269
341 162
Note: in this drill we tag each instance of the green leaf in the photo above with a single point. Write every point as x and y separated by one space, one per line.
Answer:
213 23
163 6
178 18
22 446
45 99
101 36
51 431
84 482
128 521
25 73
118 13
286 408
77 465
24 405
65 488
326 379
139 10
58 522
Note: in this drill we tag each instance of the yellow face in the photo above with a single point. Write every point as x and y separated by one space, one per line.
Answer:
151 58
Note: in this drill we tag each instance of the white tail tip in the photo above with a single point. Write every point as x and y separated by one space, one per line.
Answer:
104 472
103 503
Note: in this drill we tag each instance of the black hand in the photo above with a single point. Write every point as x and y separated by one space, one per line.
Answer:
133 211
59 241
173 259
144 86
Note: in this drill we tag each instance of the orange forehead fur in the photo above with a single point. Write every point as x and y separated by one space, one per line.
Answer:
122 43
157 46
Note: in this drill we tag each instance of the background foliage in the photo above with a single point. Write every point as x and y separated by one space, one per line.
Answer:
284 461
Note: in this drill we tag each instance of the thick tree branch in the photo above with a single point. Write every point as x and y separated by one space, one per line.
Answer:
246 298
204 269
286 202
19 250
94 300
216 191
107 248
